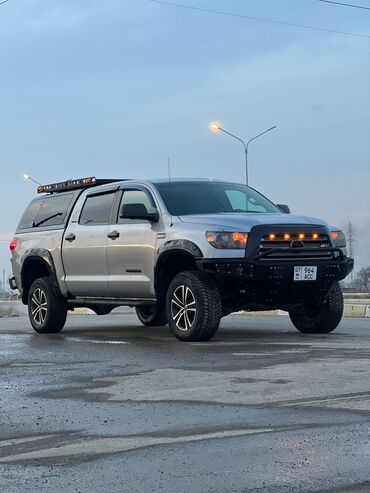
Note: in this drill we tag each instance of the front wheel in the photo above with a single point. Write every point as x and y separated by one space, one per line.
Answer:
321 319
193 306
47 311
151 315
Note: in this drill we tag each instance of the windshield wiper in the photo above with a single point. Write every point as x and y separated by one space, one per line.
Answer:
36 225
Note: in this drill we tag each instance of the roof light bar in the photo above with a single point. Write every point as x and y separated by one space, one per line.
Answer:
67 185
63 186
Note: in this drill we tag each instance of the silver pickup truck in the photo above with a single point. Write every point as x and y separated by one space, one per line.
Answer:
186 252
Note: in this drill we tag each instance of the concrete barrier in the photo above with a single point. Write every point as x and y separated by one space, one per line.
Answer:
11 308
354 310
356 296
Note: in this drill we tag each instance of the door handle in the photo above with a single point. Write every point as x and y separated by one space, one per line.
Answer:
70 237
113 235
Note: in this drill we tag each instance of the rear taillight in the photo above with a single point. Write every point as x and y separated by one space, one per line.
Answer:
13 244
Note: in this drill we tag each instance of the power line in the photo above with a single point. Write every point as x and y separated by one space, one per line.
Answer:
346 4
259 19
4 1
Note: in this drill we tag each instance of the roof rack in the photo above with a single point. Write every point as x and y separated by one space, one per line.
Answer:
63 186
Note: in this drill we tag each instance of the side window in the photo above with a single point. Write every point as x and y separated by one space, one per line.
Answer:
96 209
30 214
53 211
135 197
46 211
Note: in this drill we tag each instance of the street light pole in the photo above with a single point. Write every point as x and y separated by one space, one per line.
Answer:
247 146
216 127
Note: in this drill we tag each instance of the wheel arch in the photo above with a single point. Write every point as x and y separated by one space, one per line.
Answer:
37 263
173 257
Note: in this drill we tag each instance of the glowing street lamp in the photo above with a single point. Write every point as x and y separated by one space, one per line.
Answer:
216 127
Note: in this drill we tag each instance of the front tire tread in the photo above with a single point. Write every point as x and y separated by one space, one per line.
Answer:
208 303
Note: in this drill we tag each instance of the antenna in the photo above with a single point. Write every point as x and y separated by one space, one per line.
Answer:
28 178
169 182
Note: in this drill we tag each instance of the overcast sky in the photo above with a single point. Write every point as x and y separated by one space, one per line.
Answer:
113 87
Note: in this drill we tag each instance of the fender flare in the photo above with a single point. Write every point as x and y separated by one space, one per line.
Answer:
39 254
184 245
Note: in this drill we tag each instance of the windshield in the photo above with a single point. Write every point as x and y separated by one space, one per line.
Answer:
182 198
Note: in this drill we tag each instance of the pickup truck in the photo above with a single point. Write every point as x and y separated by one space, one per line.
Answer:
182 252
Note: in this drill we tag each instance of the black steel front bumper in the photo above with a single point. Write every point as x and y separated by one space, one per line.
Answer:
268 281
278 270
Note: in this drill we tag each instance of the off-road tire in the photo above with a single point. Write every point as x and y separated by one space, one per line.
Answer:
52 313
151 315
202 294
321 319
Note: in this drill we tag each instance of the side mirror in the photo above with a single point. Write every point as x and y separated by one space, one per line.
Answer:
284 208
139 211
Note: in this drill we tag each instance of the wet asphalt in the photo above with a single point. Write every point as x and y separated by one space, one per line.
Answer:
110 406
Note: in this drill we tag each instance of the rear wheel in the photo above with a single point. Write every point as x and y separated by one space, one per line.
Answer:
151 315
47 311
193 306
321 319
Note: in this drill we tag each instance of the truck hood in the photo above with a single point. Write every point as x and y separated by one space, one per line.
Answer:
244 222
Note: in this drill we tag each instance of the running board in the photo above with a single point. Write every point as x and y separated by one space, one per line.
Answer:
88 301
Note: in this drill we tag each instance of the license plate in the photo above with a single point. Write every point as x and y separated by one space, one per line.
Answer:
305 273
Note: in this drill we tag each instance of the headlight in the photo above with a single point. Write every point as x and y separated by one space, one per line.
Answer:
226 240
339 238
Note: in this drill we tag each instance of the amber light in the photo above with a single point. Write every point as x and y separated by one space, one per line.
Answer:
287 236
315 236
301 236
241 237
272 236
335 235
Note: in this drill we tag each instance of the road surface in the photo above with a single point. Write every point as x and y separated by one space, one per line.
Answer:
110 406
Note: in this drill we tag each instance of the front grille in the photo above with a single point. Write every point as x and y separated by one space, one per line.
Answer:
297 245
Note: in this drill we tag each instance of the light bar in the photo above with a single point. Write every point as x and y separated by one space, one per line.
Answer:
302 236
67 185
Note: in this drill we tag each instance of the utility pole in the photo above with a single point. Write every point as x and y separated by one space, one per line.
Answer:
351 244
4 281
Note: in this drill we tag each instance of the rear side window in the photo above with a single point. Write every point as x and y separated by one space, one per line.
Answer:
46 211
30 214
96 209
